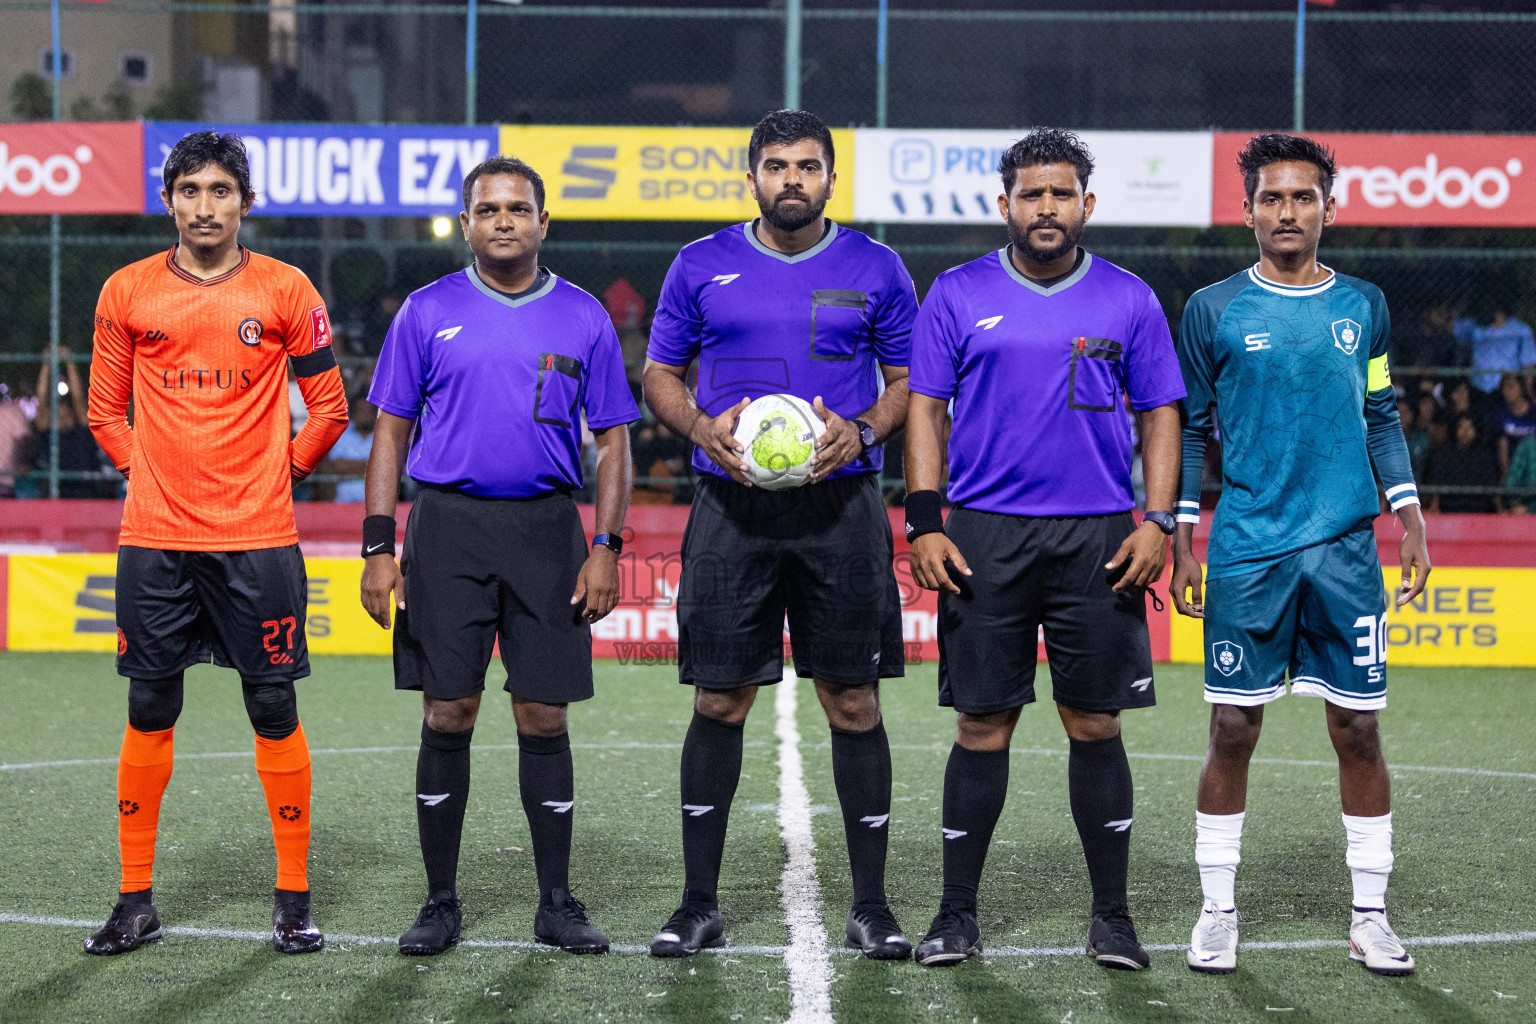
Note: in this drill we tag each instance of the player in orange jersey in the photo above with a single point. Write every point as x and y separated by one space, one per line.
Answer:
209 567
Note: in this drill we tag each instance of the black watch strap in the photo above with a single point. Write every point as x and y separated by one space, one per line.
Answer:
1164 520
866 434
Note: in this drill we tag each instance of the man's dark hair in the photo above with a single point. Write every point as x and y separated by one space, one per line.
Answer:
506 165
1279 148
1045 146
197 150
783 127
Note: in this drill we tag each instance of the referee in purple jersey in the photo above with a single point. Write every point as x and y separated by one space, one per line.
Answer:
487 374
1037 345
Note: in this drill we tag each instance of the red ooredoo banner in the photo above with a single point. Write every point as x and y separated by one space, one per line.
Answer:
72 167
1409 180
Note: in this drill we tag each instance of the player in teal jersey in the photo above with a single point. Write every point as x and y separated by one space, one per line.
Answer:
1290 359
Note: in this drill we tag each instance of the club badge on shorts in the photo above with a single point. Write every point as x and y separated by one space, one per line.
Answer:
1226 656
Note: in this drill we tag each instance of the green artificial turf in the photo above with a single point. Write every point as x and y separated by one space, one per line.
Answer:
1466 863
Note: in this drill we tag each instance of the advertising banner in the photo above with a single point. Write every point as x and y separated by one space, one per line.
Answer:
68 167
611 173
68 602
950 176
1410 180
1465 617
338 169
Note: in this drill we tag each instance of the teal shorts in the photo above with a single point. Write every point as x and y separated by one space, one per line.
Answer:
1318 615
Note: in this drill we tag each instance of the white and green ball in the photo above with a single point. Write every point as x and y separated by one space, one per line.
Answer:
779 434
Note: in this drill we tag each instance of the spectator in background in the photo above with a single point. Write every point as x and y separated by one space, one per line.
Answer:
1506 344
1522 474
78 451
1418 440
1464 462
1459 399
1429 420
349 456
1429 341
1511 420
14 430
627 308
660 453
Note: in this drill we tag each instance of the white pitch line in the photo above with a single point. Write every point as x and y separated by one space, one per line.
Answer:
1490 772
806 958
348 750
933 747
1043 952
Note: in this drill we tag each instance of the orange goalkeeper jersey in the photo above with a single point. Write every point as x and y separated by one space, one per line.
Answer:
208 456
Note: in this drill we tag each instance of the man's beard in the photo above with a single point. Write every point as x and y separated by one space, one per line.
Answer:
1020 238
795 218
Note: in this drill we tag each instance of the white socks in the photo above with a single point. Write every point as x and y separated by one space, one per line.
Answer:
1219 843
1218 849
1369 858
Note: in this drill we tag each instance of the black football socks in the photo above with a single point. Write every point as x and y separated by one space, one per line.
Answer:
861 770
975 788
1099 782
548 786
442 790
710 770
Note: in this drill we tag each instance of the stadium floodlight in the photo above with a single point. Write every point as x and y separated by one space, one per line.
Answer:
442 227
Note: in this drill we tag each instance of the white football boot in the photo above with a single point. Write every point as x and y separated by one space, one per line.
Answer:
1213 944
1373 943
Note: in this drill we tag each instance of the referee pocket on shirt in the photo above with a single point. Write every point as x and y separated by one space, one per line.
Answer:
1093 383
559 388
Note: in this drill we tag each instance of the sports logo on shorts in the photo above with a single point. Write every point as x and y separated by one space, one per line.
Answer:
122 642
250 331
1226 656
1346 336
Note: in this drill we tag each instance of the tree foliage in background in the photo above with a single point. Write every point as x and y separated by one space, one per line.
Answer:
30 98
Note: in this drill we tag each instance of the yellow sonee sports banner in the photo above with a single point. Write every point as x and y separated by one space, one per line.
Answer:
611 173
69 603
1464 617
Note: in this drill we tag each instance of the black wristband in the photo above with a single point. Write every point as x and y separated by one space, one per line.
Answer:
378 535
924 514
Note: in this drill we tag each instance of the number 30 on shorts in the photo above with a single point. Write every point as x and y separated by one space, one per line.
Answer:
1373 646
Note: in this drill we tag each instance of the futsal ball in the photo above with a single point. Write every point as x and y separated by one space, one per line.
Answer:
779 433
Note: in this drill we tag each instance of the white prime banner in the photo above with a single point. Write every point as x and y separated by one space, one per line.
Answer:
949 176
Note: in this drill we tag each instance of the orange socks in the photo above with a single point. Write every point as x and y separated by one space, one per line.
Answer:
143 770
283 766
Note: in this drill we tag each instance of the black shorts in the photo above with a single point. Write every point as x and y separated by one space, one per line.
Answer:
238 609
1033 572
481 568
820 553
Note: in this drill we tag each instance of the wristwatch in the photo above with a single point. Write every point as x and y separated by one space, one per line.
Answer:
1164 520
612 541
866 434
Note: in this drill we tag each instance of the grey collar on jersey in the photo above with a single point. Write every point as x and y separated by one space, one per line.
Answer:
1296 291
783 257
502 297
1060 286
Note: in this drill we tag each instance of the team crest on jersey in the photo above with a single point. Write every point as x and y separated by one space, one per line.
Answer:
1226 656
250 330
1346 335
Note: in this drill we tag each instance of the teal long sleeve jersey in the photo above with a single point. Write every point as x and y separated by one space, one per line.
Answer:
1295 379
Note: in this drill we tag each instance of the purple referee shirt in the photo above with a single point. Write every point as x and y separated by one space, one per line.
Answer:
761 322
498 383
1037 376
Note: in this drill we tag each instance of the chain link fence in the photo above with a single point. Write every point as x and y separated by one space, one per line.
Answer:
727 64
